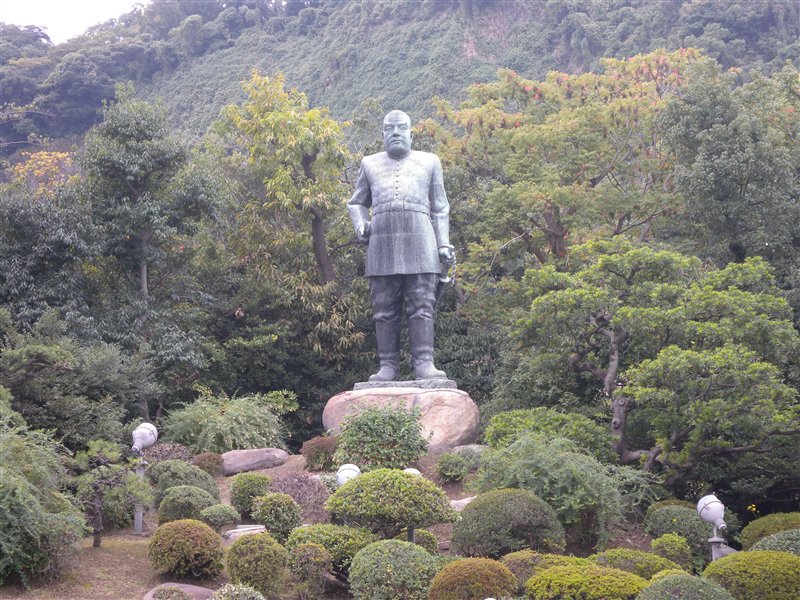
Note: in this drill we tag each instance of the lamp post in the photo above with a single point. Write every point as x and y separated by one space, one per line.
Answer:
712 511
144 436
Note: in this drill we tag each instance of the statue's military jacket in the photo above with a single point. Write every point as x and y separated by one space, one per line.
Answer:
410 212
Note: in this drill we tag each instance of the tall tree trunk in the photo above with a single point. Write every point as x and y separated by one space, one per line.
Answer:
97 516
319 237
144 245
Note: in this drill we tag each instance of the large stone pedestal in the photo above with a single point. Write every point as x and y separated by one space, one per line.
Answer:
449 416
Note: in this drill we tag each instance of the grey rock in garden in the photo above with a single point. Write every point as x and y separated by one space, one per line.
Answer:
469 451
458 505
449 416
238 461
197 592
232 535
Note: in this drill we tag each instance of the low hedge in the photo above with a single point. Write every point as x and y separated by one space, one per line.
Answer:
472 579
641 563
582 582
760 574
787 540
524 564
682 586
764 526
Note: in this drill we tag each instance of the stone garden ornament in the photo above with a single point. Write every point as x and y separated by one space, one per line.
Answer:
400 210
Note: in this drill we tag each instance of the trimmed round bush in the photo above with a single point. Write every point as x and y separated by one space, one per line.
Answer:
340 541
279 513
259 561
452 467
682 586
391 569
641 563
186 548
386 501
422 538
761 574
184 502
787 540
171 593
245 487
472 579
675 548
210 462
764 526
501 521
668 502
236 591
309 563
685 522
220 515
524 564
666 573
170 473
381 438
582 582
318 452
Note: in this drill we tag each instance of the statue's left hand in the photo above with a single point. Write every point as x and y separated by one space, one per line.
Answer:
447 255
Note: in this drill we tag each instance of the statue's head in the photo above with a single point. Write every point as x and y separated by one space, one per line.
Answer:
397 134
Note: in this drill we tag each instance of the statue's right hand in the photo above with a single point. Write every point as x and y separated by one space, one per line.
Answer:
363 233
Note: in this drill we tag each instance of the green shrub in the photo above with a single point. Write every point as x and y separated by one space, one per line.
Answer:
171 473
218 516
184 502
760 574
684 522
210 462
452 467
675 548
213 423
391 569
377 438
386 501
682 586
580 582
422 538
171 593
340 541
309 563
186 548
501 521
279 513
245 487
669 502
257 560
235 591
506 427
38 523
472 579
119 505
318 452
584 493
764 526
787 540
524 564
641 563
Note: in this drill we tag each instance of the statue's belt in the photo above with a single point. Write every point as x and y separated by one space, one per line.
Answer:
399 206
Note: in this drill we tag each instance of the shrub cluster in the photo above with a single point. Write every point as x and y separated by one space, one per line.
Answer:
579 582
279 513
386 501
391 569
171 593
684 522
787 540
764 526
761 574
259 561
210 462
453 467
170 473
218 516
167 451
472 579
638 562
186 547
501 521
422 538
308 491
309 563
245 487
682 586
524 564
318 452
184 502
341 542
379 438
675 548
236 591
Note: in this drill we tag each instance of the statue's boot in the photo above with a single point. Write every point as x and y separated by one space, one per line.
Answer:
420 337
387 334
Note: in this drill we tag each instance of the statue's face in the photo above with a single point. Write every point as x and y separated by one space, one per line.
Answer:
397 134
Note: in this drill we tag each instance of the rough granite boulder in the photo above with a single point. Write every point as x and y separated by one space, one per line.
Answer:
196 592
232 535
448 415
237 461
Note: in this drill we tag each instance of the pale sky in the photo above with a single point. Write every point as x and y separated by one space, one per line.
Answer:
63 19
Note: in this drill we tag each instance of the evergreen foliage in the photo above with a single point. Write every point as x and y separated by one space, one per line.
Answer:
186 548
390 569
258 561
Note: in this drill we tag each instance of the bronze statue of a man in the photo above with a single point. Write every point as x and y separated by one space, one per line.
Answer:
408 244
